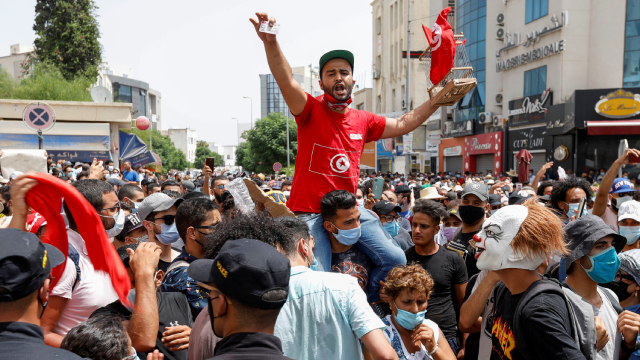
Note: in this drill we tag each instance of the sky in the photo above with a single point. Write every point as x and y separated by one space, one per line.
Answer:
204 55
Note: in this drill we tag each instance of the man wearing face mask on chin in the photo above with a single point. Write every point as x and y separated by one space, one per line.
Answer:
614 190
472 210
158 212
593 260
25 279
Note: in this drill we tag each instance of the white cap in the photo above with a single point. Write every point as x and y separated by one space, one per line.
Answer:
457 188
629 210
14 175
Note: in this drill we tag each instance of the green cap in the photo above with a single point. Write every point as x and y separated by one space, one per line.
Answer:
336 54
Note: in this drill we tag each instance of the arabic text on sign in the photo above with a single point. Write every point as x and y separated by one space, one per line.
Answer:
534 36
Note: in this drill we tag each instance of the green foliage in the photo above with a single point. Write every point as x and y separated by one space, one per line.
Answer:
203 152
172 158
45 83
67 36
266 144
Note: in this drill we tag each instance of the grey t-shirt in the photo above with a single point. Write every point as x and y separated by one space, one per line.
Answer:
202 341
610 318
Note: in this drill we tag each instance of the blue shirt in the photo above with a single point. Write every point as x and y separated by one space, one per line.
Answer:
131 176
177 280
324 316
635 309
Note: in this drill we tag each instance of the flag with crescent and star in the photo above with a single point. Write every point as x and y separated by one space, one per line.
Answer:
330 161
443 47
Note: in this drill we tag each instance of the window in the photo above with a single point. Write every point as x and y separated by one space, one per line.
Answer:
536 9
391 17
535 81
393 100
395 16
395 59
379 104
391 61
228 157
401 11
143 105
124 94
360 106
378 25
631 70
403 93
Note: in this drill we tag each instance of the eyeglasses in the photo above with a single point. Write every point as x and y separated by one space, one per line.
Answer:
220 187
168 219
390 217
115 208
207 227
620 276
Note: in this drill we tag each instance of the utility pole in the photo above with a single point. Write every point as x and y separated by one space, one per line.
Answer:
408 81
288 158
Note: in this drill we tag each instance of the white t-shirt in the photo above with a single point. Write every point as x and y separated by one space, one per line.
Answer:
610 318
93 291
393 337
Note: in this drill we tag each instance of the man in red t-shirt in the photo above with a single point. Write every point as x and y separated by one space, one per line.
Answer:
331 139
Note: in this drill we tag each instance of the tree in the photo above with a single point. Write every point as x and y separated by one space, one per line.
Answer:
67 36
203 152
266 144
45 83
172 158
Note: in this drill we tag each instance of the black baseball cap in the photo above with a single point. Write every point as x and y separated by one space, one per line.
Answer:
146 181
495 200
384 207
131 222
518 197
245 270
277 185
25 263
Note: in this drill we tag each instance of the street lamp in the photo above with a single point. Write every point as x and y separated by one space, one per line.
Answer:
246 97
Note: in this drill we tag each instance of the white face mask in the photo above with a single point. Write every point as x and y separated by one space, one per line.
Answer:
360 202
494 249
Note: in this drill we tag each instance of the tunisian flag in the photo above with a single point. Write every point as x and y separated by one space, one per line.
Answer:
443 46
46 199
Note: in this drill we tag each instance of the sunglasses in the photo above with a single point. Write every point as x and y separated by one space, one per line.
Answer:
206 290
220 187
207 227
168 219
390 217
620 276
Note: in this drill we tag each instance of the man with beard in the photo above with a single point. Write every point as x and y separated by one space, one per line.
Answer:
78 294
331 139
5 200
218 188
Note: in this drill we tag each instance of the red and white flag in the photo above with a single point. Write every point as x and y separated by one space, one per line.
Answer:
334 162
443 47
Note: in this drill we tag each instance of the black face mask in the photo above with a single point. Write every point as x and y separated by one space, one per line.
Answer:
211 317
470 214
619 288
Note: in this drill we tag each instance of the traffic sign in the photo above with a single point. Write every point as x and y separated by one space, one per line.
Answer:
277 167
39 117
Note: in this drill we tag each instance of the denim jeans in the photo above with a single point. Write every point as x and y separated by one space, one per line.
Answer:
374 241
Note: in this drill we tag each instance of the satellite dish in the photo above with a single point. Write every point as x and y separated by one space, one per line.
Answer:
101 94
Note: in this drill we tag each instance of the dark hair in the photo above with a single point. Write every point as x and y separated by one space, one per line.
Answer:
83 175
86 167
98 338
172 194
164 176
299 230
169 183
287 182
125 205
92 190
136 167
128 190
220 177
336 200
453 204
434 210
542 185
259 226
560 189
193 212
124 255
5 192
127 162
151 187
195 195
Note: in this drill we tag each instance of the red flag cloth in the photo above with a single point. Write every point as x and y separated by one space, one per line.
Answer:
46 199
443 47
339 162
524 159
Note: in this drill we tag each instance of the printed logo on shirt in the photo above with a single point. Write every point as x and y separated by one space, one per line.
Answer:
334 162
356 136
503 333
173 323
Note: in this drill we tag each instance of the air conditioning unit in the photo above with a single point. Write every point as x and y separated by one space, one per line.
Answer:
447 127
497 121
486 118
376 74
500 34
500 19
499 98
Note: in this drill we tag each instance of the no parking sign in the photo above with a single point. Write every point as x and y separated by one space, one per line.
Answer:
277 167
39 117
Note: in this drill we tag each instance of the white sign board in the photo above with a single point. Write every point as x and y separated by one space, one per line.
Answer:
22 160
407 141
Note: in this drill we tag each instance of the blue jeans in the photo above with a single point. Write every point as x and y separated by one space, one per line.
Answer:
374 241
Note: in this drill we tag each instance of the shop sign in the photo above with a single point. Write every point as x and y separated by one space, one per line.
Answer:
619 104
434 124
483 144
407 141
458 128
530 139
511 41
558 122
452 151
384 148
530 109
533 55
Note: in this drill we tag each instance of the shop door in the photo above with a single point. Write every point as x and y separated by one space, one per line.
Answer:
537 162
453 164
484 163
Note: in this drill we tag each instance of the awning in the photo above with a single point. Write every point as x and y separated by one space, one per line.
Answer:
613 127
131 146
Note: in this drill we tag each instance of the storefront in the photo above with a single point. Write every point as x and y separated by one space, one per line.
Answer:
483 153
384 155
605 118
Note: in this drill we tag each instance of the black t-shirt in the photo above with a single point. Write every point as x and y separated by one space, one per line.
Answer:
163 265
173 309
472 346
355 263
460 244
546 324
447 269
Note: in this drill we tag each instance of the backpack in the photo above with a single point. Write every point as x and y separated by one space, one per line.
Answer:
75 257
547 286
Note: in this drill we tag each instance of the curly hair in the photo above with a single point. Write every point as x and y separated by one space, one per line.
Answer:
560 189
413 278
433 209
542 185
541 232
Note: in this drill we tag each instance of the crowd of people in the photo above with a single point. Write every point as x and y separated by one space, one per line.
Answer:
319 266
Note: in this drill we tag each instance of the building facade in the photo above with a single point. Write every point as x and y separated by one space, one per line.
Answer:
228 153
185 140
12 64
271 99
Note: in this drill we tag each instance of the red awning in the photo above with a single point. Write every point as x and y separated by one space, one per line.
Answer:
613 127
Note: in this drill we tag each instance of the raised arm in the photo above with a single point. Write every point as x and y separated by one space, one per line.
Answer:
409 121
293 94
540 173
602 198
474 306
143 327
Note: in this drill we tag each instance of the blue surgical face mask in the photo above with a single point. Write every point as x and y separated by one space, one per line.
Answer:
573 207
625 177
409 320
347 237
493 212
631 233
604 266
601 173
391 227
169 234
313 266
622 200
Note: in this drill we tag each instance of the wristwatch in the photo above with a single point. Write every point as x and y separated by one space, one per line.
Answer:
625 348
436 349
